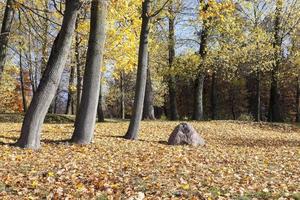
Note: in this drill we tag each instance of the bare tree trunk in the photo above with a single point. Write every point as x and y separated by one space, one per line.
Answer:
148 111
198 98
122 100
172 79
5 32
78 67
274 106
258 97
85 122
32 124
140 88
298 100
100 106
213 96
22 84
70 102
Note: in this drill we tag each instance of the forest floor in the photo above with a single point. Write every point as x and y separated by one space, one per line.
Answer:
240 161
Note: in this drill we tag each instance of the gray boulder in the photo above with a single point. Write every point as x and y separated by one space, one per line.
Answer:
185 134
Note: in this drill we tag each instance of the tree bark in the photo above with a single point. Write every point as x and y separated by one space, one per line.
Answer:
148 111
172 79
122 99
22 84
274 106
258 97
199 82
70 102
213 96
78 67
85 122
198 98
298 100
32 124
140 88
100 106
5 32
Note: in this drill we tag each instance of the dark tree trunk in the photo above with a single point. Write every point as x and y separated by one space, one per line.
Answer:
5 32
213 96
140 88
70 102
32 124
232 102
148 111
85 122
198 97
22 84
274 106
78 67
122 99
298 100
100 106
199 82
258 97
172 79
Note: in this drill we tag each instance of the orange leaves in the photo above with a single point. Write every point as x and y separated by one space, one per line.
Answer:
246 160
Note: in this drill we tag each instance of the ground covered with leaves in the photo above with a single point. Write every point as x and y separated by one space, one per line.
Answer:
240 161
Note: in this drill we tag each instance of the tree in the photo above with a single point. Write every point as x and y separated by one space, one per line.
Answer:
85 122
137 112
199 82
172 79
32 124
5 32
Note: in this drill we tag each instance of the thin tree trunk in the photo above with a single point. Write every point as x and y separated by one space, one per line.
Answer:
22 84
78 67
85 122
258 97
5 32
148 111
70 102
213 96
274 106
298 100
172 79
122 100
32 124
100 106
140 88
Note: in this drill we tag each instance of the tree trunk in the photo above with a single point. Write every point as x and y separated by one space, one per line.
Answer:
45 35
32 124
213 96
70 102
78 67
198 97
5 32
172 79
274 107
298 100
22 84
148 111
258 97
140 88
122 99
85 122
100 106
199 82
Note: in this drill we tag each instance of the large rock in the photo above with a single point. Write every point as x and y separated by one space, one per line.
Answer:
185 134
